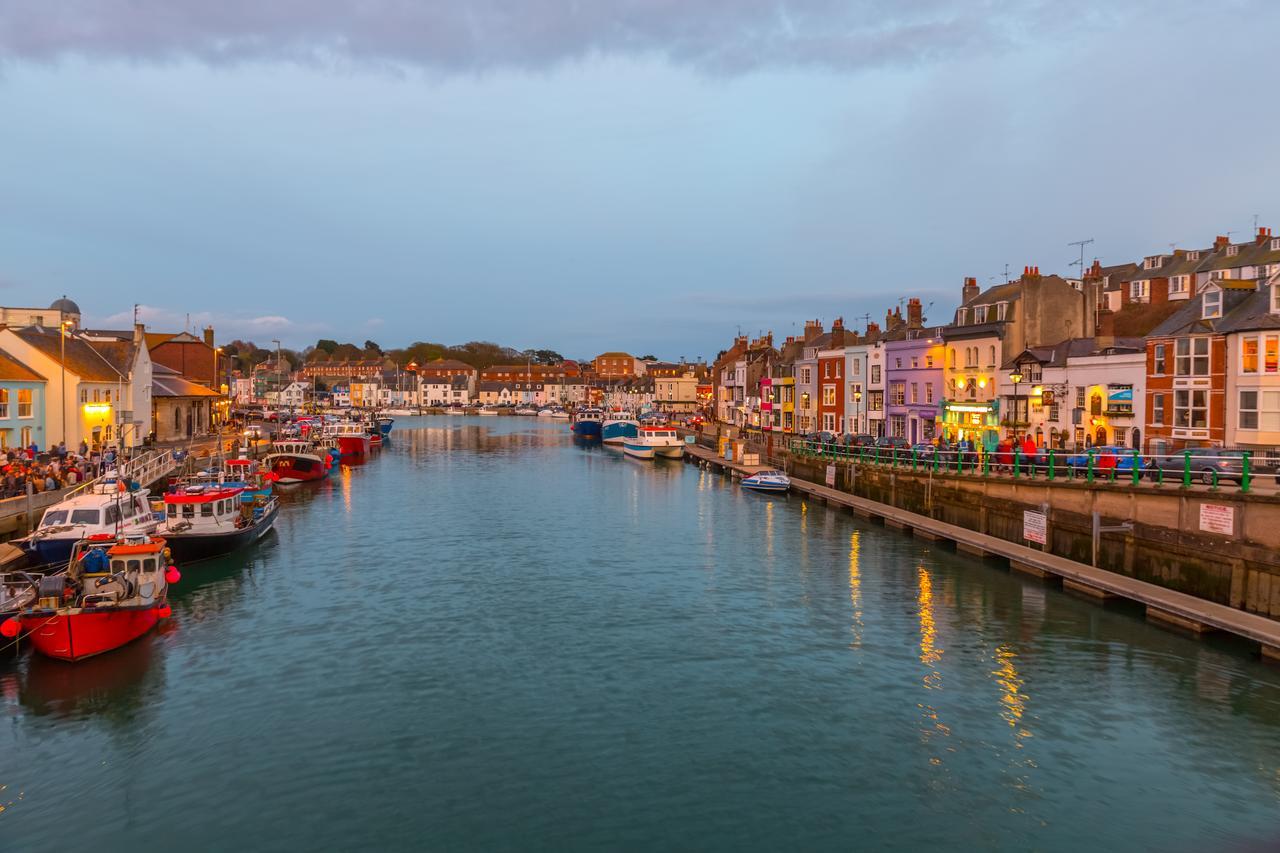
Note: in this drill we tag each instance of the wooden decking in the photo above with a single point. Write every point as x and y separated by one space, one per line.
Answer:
1166 606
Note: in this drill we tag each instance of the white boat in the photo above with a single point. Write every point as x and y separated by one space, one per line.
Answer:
544 413
767 481
487 410
399 413
106 506
526 411
559 414
651 442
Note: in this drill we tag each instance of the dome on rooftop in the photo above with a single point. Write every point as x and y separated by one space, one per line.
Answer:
65 305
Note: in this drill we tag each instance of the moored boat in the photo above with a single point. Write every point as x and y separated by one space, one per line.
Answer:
113 591
296 461
109 505
651 442
487 411
202 522
351 438
587 422
619 426
767 481
385 422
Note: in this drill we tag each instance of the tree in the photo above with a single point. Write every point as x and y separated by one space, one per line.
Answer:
372 349
648 357
543 356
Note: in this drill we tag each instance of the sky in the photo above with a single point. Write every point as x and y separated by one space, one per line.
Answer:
644 175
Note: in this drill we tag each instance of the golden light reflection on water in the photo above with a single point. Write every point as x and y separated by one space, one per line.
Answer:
1013 702
855 585
930 654
346 487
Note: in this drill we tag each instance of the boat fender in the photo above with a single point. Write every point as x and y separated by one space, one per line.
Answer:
172 575
10 627
164 612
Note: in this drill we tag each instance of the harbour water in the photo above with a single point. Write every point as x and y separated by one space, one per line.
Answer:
490 637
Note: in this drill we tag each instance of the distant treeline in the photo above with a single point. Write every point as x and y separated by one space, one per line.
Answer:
478 354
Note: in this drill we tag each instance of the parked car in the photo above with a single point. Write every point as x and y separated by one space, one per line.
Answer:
1105 458
860 439
1212 464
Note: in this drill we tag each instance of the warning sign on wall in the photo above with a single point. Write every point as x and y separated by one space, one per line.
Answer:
831 476
1216 518
1034 525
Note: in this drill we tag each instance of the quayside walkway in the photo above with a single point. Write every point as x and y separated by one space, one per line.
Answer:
1162 605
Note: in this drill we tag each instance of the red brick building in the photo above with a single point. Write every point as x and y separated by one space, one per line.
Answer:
617 365
194 359
444 368
831 381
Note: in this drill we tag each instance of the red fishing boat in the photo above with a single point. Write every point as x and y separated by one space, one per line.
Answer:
113 592
296 461
352 438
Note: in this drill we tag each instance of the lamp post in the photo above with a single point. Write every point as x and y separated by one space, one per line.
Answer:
1015 378
857 410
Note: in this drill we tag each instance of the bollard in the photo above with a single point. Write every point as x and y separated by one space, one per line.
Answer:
1137 467
1088 476
1017 462
1246 478
1186 469
1051 466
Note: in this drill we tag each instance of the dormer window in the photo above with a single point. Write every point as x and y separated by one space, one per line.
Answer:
980 314
1211 304
1151 263
1002 308
962 315
1193 256
1275 298
1275 244
1232 251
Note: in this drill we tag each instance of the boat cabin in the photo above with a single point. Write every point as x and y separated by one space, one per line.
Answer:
99 512
201 507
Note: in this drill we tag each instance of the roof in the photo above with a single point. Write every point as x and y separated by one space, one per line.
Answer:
65 305
1187 320
1057 355
445 364
167 382
13 370
1251 314
95 361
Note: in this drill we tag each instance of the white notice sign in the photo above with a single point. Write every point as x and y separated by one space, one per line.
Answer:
831 476
1033 526
1216 518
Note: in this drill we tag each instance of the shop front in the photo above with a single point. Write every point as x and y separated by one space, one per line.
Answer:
976 422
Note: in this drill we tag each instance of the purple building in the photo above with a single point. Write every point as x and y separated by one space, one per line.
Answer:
914 385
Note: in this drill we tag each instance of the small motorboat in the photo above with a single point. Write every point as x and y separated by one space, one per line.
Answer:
113 591
651 442
202 522
559 414
385 422
767 481
487 411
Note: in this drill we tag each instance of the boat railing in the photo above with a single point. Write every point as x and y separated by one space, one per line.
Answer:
144 469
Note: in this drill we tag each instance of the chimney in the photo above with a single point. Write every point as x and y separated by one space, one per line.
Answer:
915 313
837 332
873 331
208 336
139 333
1031 274
812 329
1264 234
969 290
1221 242
1106 327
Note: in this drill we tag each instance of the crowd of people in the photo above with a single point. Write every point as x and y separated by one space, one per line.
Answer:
26 468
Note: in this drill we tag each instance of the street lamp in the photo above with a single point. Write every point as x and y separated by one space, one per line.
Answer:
1015 378
857 411
62 346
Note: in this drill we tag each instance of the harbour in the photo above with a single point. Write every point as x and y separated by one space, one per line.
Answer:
490 617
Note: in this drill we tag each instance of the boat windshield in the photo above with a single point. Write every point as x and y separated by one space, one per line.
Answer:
54 516
84 516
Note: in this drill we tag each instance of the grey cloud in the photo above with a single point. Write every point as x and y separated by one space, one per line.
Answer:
721 36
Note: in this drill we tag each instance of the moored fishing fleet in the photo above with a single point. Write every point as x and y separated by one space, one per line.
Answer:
95 573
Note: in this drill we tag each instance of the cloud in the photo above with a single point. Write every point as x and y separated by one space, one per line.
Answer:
452 35
227 326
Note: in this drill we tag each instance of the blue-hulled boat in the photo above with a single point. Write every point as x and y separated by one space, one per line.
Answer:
587 423
618 427
385 422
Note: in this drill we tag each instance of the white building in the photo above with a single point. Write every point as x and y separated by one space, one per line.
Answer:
294 394
1081 392
99 389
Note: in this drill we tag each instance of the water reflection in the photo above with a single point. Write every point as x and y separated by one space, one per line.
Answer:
1013 701
855 586
117 687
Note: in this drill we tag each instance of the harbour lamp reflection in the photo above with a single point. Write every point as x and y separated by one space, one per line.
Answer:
855 586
